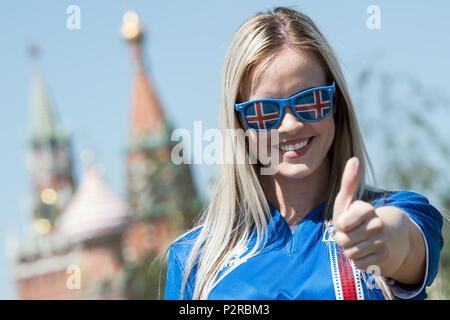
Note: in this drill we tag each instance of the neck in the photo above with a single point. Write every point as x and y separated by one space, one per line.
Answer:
295 198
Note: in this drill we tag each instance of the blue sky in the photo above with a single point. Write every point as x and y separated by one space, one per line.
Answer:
88 72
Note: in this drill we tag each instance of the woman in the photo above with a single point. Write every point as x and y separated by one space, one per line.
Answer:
314 229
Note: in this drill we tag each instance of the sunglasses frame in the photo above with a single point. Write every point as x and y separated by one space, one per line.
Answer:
288 102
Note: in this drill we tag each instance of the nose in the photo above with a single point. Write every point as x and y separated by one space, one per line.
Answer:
290 122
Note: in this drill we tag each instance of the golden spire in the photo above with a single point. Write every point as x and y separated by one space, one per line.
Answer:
147 116
131 30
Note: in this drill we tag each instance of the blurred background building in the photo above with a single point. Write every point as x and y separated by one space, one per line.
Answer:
400 92
87 242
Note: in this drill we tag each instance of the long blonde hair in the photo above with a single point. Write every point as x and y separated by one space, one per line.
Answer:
238 204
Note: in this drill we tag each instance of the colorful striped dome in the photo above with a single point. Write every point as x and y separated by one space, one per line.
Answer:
94 210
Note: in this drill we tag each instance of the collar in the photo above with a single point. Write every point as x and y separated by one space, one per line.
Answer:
279 233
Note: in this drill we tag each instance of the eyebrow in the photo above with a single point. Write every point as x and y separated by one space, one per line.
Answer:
271 97
303 90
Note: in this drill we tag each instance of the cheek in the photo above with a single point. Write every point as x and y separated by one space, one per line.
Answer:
260 145
326 131
253 139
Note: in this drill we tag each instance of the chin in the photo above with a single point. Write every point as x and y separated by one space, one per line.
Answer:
294 171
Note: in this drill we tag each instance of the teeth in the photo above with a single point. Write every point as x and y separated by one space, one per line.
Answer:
291 147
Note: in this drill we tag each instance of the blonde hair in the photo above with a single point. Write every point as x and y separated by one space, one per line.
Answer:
238 204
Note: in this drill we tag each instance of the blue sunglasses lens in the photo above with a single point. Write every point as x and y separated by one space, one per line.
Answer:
313 105
310 106
262 115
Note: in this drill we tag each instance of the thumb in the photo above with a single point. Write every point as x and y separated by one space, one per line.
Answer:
349 183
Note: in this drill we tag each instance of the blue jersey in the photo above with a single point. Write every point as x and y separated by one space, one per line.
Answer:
307 264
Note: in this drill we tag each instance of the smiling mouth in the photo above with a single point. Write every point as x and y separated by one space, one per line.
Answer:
295 145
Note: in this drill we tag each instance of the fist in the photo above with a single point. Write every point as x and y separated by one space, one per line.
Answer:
358 229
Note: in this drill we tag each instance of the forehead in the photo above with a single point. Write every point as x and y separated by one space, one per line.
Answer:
284 74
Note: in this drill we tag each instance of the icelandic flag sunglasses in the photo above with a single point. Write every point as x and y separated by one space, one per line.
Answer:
310 105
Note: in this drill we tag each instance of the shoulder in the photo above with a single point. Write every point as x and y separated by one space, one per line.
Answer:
404 198
176 265
382 197
416 205
182 247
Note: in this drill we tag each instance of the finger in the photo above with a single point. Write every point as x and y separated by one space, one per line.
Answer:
360 250
348 240
349 183
358 212
369 229
372 259
365 248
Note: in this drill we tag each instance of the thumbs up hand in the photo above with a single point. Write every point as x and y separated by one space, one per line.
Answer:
358 229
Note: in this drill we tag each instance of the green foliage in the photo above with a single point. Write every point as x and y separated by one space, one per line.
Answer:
143 279
405 123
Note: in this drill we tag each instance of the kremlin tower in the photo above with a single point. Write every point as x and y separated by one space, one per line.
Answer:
49 155
87 242
42 258
161 194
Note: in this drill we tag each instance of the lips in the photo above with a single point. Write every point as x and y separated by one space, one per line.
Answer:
296 147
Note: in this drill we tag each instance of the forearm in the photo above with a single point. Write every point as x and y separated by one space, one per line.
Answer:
406 259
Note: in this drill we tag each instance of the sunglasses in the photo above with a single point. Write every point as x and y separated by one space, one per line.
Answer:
310 105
